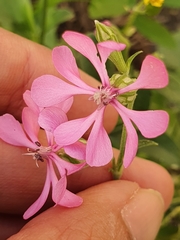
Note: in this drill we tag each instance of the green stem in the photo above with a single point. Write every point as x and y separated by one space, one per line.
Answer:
127 31
43 25
121 148
117 166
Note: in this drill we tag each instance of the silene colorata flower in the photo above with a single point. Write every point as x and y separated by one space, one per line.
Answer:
26 135
49 90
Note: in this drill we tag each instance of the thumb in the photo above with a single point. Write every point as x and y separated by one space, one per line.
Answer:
112 210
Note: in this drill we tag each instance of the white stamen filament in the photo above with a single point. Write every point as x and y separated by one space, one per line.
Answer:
39 154
104 96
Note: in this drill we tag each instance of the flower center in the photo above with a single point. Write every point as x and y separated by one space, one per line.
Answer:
103 96
40 153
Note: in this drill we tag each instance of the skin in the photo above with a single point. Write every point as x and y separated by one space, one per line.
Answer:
120 209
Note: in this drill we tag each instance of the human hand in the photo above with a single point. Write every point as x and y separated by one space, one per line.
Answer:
122 209
101 215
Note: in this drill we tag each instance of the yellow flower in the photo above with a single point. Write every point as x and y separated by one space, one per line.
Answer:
155 3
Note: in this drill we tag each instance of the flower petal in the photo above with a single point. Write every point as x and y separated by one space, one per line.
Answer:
30 123
11 132
153 75
150 123
82 44
49 90
107 47
65 64
29 102
51 117
70 132
65 105
99 149
76 150
37 205
87 48
64 167
131 137
58 186
71 200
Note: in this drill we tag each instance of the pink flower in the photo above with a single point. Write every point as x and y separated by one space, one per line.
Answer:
64 106
48 90
13 133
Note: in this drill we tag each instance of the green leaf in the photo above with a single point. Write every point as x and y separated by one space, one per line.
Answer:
172 91
50 3
56 16
130 59
143 99
166 153
168 99
146 143
171 56
18 17
152 11
154 31
107 8
13 11
172 3
50 39
168 232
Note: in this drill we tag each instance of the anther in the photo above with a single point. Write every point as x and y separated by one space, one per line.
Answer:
38 144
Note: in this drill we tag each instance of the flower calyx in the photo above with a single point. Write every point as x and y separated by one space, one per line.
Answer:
63 155
122 81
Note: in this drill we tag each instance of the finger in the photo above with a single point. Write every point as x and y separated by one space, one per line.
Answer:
146 173
21 62
112 210
21 182
149 174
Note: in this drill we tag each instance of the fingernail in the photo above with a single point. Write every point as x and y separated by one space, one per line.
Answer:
143 214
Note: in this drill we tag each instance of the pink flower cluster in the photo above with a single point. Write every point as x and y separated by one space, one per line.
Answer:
26 135
48 90
50 99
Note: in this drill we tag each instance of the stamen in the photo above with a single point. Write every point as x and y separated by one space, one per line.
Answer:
104 96
40 153
38 144
38 157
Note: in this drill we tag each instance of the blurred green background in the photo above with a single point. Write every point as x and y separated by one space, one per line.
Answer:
155 31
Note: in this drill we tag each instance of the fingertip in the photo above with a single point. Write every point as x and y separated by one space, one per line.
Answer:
143 214
111 210
97 218
149 174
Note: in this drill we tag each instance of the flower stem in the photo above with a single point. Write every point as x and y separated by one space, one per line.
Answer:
129 28
118 165
43 24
